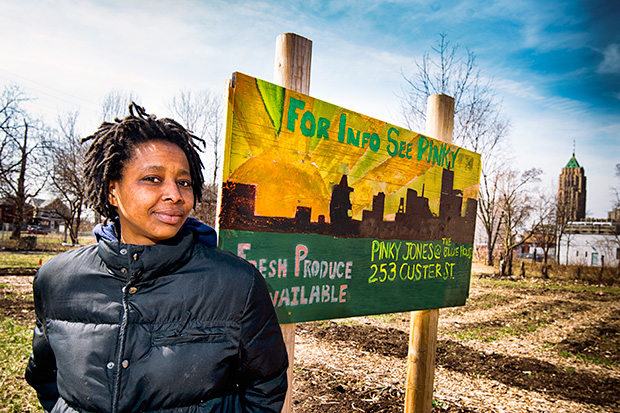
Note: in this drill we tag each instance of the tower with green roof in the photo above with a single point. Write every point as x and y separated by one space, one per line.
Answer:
572 191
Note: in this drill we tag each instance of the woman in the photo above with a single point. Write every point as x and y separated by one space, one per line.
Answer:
153 317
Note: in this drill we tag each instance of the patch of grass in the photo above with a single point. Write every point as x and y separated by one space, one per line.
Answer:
490 339
347 321
510 331
586 358
597 343
15 345
50 242
594 359
325 324
17 260
481 334
493 332
386 318
493 297
578 288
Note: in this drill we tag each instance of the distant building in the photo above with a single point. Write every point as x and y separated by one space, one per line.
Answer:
591 243
585 241
534 248
8 212
572 191
46 212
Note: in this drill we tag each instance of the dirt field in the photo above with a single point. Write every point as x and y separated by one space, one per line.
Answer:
523 346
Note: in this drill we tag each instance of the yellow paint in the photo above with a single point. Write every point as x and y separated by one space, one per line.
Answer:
292 170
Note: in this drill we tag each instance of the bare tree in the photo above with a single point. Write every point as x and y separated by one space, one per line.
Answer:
67 177
202 113
563 212
115 104
489 212
616 191
11 116
516 202
478 122
615 215
23 144
545 214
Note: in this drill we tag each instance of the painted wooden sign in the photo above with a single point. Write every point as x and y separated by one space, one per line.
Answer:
344 215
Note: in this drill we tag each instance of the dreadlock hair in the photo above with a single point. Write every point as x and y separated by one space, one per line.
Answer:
114 143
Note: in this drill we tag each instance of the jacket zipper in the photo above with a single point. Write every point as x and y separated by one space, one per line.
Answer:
121 351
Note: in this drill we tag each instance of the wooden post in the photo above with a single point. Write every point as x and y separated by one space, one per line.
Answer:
423 334
440 117
292 70
292 65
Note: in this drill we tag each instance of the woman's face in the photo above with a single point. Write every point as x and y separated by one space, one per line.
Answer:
154 195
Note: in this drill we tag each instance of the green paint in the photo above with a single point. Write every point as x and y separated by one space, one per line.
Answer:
294 104
423 144
353 137
323 128
318 277
392 148
434 154
375 142
308 124
454 155
404 150
273 99
342 126
439 153
311 125
367 139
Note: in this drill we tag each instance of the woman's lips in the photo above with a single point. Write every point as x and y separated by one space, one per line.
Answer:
169 217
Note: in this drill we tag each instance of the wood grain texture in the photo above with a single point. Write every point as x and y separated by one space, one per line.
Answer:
292 70
293 59
423 334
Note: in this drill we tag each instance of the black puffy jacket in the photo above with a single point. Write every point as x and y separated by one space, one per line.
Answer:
178 327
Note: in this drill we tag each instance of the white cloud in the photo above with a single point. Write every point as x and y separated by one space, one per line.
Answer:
611 60
532 93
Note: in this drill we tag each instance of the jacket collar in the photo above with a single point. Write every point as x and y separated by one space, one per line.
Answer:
134 263
204 233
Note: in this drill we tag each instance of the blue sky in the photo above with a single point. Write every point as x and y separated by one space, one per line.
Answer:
555 65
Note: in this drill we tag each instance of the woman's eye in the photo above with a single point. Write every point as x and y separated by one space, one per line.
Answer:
185 184
153 179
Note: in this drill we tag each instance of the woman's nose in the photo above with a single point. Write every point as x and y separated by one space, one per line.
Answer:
172 192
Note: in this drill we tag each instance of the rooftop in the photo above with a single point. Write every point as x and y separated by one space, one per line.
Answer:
572 163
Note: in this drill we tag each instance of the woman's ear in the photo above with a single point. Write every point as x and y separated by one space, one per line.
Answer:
112 194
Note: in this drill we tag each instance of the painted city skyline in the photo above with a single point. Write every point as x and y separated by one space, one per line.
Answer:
413 220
